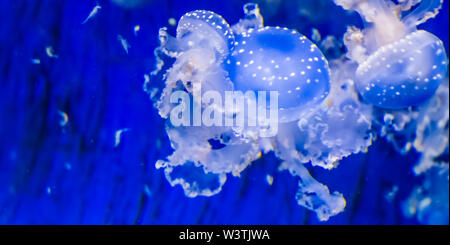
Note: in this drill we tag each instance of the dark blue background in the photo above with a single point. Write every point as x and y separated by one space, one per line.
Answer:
74 175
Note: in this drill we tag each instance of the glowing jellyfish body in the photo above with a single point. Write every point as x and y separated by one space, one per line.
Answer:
205 29
282 60
404 73
398 65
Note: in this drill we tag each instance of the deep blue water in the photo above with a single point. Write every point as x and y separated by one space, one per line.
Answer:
74 174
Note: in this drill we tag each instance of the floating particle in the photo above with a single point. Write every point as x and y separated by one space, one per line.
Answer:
92 13
124 43
172 21
64 118
147 190
130 3
118 136
158 144
36 61
68 166
50 52
315 35
136 29
392 193
269 179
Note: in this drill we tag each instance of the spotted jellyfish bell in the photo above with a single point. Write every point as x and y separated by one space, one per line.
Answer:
402 66
282 60
405 73
205 29
203 41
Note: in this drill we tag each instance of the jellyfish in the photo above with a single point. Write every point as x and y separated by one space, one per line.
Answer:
247 56
398 65
283 60
202 155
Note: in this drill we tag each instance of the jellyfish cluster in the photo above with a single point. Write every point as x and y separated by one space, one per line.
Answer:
391 83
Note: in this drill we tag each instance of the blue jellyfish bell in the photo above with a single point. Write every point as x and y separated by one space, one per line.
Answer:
401 66
403 73
202 28
279 59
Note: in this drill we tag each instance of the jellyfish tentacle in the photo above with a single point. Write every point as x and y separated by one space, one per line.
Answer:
427 9
169 45
314 195
252 20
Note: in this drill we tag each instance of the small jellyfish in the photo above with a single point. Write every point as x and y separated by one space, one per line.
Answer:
283 60
399 66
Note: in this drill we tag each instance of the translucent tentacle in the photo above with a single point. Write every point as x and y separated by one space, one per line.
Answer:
426 10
